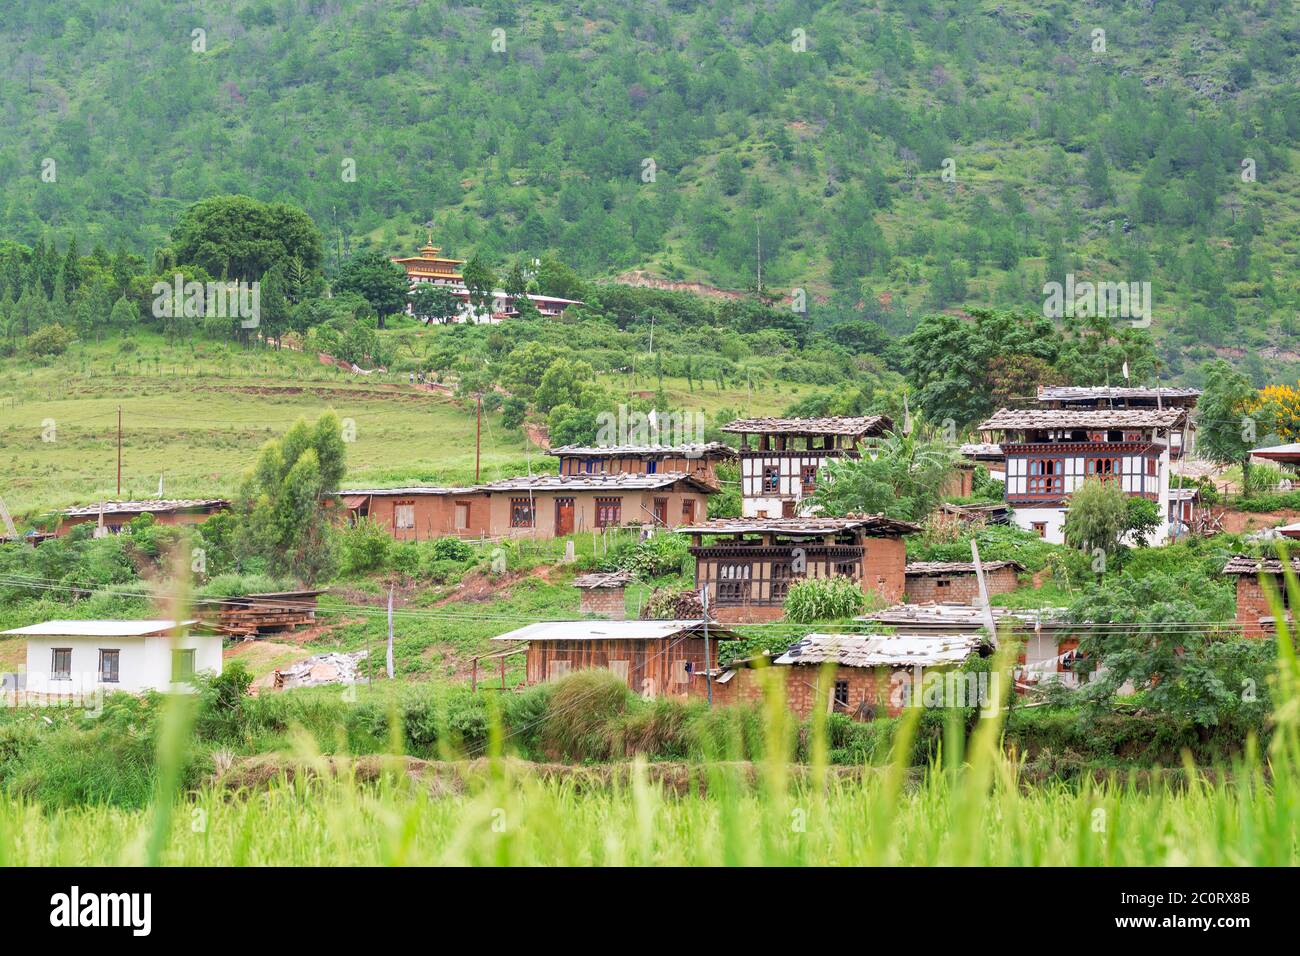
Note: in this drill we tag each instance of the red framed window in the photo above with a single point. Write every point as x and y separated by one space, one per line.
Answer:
808 475
771 478
1046 476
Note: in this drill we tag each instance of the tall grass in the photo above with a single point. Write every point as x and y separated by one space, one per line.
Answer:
971 804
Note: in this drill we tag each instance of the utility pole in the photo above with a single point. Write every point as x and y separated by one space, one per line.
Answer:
478 437
652 334
984 593
119 451
389 660
708 663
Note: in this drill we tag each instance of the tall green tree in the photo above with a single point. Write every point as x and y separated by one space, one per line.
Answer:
1226 429
904 478
378 280
434 303
240 238
283 516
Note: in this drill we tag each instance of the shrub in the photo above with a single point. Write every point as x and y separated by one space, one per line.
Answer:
658 556
824 599
452 549
364 547
580 714
51 340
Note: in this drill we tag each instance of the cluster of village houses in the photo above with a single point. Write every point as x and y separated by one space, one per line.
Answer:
937 614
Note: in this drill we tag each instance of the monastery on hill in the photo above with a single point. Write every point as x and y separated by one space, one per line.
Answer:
431 266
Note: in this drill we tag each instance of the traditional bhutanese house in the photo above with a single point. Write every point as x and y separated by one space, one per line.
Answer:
252 615
1050 644
69 658
699 461
113 516
653 657
552 506
603 593
930 581
430 266
749 564
1051 452
780 458
422 513
1084 397
874 675
1254 615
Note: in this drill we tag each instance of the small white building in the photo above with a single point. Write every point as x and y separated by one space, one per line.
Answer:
78 657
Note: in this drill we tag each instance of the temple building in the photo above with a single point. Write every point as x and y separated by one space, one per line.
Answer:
433 267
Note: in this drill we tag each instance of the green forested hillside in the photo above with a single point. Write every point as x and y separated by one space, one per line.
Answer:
890 158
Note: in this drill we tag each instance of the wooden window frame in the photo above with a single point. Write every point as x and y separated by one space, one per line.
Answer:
405 510
808 478
771 479
522 513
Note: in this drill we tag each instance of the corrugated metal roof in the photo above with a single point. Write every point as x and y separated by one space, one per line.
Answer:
153 506
1014 419
1282 452
860 650
1084 393
980 450
811 525
610 631
957 567
99 628
607 482
413 491
713 448
959 617
861 425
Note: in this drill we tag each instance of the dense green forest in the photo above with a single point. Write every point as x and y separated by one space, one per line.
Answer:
889 159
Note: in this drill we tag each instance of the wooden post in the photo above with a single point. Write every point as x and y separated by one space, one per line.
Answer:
473 674
119 452
389 661
478 437
708 663
984 593
503 671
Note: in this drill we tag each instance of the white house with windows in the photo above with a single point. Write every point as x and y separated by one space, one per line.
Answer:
1050 452
79 657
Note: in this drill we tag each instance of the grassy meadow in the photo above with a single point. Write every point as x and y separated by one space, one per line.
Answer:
197 415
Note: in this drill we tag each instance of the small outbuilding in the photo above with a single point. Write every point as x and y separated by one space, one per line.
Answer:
1254 615
79 657
653 657
956 580
604 593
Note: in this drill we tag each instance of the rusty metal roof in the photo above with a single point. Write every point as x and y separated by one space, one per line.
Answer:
957 567
811 525
861 426
713 449
153 506
876 650
1016 419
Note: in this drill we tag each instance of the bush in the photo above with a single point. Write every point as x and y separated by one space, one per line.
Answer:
51 340
452 549
663 554
824 599
364 547
579 714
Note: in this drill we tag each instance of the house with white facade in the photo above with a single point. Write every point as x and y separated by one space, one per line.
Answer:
1051 452
80 657
781 458
1097 397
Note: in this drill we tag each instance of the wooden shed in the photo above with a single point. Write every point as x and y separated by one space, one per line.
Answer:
653 657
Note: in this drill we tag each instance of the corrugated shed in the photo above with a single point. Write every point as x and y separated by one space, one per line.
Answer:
713 449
